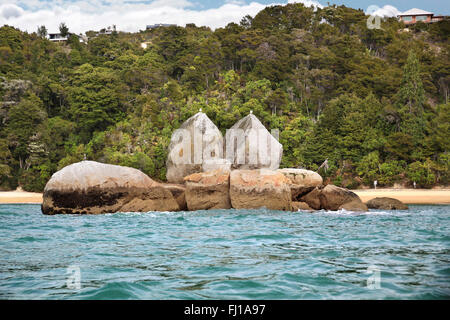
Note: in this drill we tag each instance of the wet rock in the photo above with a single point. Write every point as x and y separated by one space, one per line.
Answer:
208 190
297 205
252 189
178 192
335 198
356 205
90 187
312 199
384 203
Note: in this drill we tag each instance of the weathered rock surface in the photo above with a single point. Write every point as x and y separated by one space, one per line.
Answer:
312 199
252 189
301 181
208 190
333 198
336 198
296 206
384 203
248 145
216 164
178 192
355 205
90 187
196 142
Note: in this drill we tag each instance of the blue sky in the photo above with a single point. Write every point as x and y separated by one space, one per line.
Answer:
134 15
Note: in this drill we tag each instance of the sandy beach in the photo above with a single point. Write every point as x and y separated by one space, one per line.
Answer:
20 197
409 196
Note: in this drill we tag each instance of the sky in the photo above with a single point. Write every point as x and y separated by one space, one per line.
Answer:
133 15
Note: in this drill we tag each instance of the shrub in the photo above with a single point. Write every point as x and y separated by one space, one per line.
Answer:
421 173
391 172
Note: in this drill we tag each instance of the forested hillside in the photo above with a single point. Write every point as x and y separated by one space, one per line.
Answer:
375 103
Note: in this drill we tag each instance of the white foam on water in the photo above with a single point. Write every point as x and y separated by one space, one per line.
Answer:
147 214
342 212
356 213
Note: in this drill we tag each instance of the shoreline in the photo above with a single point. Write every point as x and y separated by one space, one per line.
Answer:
20 197
407 196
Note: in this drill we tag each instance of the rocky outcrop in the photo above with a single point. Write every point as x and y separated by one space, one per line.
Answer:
333 198
90 187
336 198
248 145
301 181
252 189
312 199
208 190
355 205
384 203
178 193
197 143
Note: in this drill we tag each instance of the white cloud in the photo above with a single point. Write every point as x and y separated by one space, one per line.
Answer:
127 15
10 11
386 11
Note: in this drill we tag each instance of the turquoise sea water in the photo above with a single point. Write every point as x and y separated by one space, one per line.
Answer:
226 254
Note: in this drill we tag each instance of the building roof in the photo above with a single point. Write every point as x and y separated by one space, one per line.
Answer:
415 12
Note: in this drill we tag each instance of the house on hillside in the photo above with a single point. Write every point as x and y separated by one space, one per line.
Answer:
415 15
57 37
107 31
437 18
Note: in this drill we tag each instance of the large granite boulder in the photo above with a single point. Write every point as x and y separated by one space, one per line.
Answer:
312 199
195 147
355 205
384 203
301 181
90 187
333 198
252 189
336 198
248 145
208 190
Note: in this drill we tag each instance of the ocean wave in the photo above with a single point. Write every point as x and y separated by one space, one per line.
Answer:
226 254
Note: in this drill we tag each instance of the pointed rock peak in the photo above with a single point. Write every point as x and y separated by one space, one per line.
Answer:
249 121
197 141
199 120
249 145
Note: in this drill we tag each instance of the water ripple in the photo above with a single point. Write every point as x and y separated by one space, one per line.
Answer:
226 254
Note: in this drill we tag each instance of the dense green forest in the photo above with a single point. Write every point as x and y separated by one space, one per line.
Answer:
375 103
